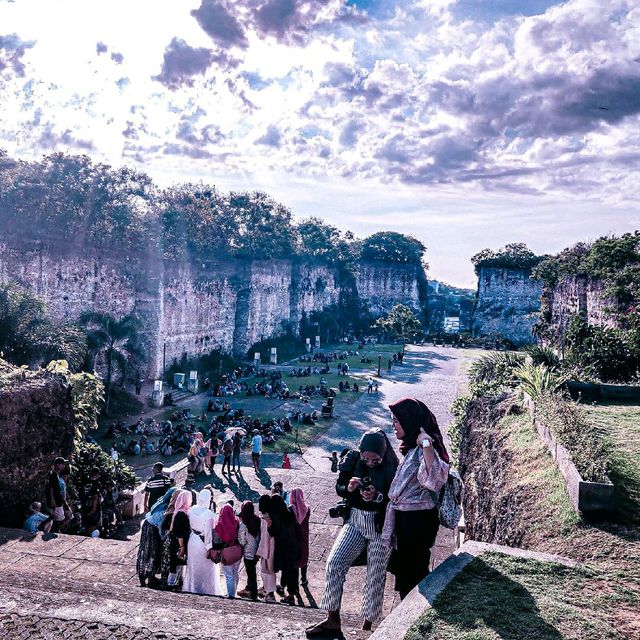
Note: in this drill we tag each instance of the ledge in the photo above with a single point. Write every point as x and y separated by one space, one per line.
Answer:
396 625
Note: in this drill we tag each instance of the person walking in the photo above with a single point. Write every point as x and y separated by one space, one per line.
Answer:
266 551
363 481
225 536
156 486
249 537
176 523
256 450
237 446
412 519
302 514
227 451
281 525
202 574
150 547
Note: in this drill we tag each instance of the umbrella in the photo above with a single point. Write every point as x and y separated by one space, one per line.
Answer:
231 431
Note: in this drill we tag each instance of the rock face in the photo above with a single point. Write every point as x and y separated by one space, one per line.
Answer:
191 308
579 295
36 426
507 304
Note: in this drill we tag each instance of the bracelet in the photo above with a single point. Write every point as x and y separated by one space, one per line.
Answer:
427 442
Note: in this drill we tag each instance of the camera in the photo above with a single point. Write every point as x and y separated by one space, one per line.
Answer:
367 485
341 510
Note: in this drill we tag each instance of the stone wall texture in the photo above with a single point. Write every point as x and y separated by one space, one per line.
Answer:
580 295
507 304
190 309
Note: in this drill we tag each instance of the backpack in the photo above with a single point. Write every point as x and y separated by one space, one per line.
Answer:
449 501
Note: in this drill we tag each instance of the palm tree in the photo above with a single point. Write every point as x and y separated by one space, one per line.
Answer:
119 340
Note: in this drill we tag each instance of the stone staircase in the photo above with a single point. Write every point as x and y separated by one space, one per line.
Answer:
76 587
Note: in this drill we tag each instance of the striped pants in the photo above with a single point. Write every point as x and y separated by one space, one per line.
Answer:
357 534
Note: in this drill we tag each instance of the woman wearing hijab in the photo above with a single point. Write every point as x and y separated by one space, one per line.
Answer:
266 551
281 524
225 534
302 514
364 479
150 548
202 575
249 537
176 523
412 520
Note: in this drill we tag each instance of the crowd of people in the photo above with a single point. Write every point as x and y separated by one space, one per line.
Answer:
188 544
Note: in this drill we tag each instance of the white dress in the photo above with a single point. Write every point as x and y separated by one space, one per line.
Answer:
202 575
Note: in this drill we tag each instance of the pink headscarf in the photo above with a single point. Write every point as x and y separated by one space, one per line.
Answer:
182 503
227 527
298 505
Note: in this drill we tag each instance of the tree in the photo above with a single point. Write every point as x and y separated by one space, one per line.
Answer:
27 336
512 256
401 323
390 246
118 340
324 241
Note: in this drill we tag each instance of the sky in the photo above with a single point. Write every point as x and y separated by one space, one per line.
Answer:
466 123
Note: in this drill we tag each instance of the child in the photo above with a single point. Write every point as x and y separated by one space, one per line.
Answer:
334 461
286 463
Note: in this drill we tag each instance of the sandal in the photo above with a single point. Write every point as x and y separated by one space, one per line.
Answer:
321 630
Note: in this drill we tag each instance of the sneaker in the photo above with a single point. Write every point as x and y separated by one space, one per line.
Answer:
244 593
270 598
280 591
288 600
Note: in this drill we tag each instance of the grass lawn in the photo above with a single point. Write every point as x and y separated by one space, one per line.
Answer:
516 496
499 596
619 424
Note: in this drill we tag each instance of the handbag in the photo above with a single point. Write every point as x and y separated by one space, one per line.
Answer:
449 501
215 555
232 554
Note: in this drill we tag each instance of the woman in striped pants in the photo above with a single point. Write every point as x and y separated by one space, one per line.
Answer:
364 480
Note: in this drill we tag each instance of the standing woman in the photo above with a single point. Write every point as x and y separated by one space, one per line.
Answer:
150 548
176 523
249 537
202 574
225 534
302 514
412 520
364 480
283 527
266 551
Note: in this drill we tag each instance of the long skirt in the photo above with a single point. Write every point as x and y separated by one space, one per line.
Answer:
149 551
202 575
416 533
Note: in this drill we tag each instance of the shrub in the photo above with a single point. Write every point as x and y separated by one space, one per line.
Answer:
569 425
535 380
543 355
494 372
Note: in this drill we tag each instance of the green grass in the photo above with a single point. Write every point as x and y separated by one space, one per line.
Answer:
619 426
502 597
369 351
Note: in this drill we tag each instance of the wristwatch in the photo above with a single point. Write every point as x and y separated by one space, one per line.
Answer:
427 442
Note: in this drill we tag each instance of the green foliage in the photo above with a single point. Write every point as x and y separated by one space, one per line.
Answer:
117 340
537 379
325 242
89 455
608 355
569 424
389 246
400 323
512 256
459 409
288 346
494 372
27 336
542 355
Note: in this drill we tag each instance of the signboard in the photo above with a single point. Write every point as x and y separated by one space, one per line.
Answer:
308 345
274 356
193 375
157 385
256 359
178 380
317 342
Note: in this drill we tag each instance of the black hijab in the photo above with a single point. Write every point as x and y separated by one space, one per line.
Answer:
414 416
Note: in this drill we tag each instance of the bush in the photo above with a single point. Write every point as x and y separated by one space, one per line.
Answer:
89 455
543 355
535 380
568 424
494 373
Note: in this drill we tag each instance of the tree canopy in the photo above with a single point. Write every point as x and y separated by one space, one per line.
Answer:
390 246
401 323
512 256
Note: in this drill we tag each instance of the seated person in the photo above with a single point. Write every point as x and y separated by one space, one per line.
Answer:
36 520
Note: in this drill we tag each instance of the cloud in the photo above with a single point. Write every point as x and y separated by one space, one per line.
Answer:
101 48
118 58
12 50
271 138
51 140
217 20
182 62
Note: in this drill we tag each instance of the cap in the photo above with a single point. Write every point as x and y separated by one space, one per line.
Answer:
60 460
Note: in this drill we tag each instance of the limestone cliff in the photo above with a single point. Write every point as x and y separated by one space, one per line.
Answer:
191 308
507 304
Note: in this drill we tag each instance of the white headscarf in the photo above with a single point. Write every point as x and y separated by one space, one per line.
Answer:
204 499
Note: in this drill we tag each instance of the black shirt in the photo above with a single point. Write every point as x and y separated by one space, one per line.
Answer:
157 486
